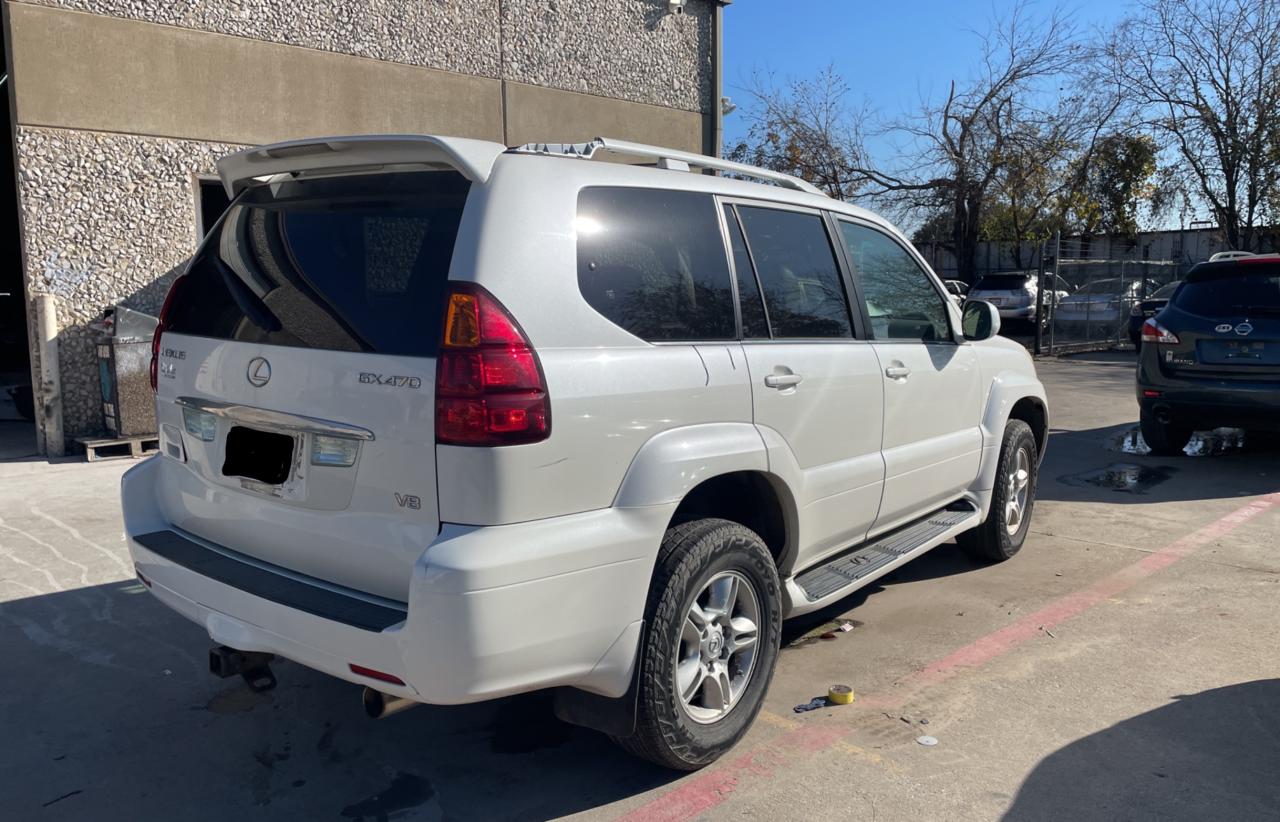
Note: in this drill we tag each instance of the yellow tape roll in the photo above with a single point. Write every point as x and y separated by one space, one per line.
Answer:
840 695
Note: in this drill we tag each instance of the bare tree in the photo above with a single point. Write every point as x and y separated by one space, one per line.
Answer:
806 128
1205 76
957 150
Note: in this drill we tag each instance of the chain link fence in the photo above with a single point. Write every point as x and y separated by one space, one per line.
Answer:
1090 304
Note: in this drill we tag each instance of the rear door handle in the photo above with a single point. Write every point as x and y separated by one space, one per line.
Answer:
897 372
782 380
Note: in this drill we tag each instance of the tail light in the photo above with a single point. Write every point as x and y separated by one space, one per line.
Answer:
1154 332
489 384
160 327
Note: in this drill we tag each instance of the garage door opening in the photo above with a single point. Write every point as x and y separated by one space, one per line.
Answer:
17 412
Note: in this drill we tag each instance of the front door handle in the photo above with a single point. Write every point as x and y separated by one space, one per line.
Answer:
897 372
782 380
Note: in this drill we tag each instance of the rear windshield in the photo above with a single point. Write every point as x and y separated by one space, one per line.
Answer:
1003 282
355 263
1232 292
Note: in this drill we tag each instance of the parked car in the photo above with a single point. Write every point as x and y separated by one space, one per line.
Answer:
454 422
1148 307
958 289
1211 357
1014 293
1099 308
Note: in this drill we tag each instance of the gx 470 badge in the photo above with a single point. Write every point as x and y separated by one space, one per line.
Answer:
394 381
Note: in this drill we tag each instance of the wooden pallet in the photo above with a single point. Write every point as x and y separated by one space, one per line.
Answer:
96 450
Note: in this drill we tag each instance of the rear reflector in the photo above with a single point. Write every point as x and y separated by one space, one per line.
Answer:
489 384
360 670
1149 394
1154 332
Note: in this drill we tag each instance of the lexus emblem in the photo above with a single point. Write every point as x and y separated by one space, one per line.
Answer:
1244 328
259 372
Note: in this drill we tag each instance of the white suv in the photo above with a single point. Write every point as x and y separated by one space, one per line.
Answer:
454 421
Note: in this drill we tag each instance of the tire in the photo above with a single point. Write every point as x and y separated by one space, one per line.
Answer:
687 735
1016 476
1164 439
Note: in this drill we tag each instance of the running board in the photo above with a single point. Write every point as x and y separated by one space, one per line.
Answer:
845 573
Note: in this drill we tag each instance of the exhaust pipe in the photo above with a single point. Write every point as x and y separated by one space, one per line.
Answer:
377 704
1163 414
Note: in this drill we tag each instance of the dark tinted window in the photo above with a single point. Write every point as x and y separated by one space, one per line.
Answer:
1004 282
1232 293
901 300
653 262
797 268
348 263
754 324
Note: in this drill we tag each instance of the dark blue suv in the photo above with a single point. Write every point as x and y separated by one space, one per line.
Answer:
1211 357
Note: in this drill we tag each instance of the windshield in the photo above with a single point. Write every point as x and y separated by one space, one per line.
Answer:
1164 292
1232 294
1003 282
353 263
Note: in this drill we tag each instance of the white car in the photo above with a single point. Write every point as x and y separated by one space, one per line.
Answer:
454 421
957 289
1014 293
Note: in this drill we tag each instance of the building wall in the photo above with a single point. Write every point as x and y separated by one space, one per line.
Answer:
120 102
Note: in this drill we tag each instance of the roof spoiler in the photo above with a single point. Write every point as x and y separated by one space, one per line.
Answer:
472 158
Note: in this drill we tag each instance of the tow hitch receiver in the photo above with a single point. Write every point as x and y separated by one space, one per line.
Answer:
254 666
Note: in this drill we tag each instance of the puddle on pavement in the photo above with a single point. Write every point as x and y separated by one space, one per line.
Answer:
1124 477
1203 443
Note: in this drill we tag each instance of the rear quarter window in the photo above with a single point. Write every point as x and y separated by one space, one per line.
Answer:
653 263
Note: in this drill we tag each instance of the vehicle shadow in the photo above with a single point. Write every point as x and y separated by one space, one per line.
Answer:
115 711
1211 755
1091 465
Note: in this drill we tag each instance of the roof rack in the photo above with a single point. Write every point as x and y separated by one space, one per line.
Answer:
1230 255
669 158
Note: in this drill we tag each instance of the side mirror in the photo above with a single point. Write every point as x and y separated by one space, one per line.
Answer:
980 321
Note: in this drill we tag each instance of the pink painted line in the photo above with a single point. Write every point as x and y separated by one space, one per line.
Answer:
710 788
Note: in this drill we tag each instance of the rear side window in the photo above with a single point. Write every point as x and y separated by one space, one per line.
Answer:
796 265
354 263
1232 293
653 262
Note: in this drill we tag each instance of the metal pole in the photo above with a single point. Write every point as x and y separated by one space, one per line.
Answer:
1039 319
1057 271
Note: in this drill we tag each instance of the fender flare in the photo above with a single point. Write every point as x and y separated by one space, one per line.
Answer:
674 462
1007 389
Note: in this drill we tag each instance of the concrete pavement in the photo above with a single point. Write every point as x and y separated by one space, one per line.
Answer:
1124 665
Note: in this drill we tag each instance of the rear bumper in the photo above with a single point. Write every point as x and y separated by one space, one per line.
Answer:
1027 312
492 611
1208 402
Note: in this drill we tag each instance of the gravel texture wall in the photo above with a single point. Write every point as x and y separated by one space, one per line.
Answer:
628 49
108 218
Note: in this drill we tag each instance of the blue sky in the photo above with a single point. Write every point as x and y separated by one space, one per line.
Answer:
889 52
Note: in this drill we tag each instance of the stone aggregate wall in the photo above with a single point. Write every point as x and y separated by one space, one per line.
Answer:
107 218
627 49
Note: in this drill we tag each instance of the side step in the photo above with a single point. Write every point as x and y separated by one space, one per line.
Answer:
844 572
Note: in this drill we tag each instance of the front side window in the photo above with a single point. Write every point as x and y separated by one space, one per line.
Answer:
900 297
797 269
653 262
